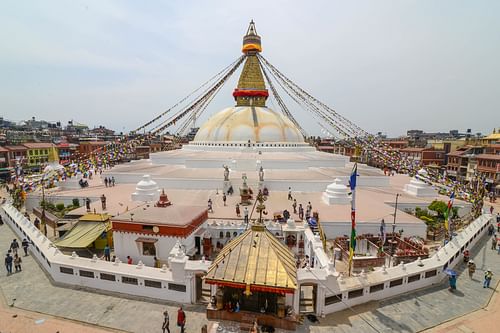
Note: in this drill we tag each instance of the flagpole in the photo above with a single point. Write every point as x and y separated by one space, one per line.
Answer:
352 241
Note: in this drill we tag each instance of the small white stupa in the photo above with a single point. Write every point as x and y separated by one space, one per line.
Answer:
146 190
419 188
336 193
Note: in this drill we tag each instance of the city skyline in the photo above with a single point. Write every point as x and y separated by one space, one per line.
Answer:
120 64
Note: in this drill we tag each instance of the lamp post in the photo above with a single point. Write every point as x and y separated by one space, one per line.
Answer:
393 241
42 222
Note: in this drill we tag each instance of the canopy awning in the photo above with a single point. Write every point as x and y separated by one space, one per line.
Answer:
82 234
255 260
146 240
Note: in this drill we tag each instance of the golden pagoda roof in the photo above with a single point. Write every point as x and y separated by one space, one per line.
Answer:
257 259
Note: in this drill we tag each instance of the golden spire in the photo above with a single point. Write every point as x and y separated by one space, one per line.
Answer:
251 89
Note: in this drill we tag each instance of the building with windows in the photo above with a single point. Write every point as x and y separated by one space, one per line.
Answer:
426 156
18 155
38 153
488 165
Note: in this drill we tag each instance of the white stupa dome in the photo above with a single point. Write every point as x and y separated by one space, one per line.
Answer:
336 193
243 123
146 190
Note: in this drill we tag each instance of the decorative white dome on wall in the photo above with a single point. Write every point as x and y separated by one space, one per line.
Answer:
336 193
419 188
146 190
240 124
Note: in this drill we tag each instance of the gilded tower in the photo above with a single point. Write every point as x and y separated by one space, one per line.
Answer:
251 90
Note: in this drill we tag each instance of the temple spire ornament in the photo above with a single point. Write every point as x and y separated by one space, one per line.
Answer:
251 90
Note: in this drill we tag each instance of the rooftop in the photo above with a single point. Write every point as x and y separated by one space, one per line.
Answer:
174 215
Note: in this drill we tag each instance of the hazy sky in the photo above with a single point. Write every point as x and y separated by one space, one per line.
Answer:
386 65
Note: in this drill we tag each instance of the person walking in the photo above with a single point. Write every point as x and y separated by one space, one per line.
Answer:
14 246
238 212
113 180
8 263
488 275
294 206
224 198
494 242
106 181
17 263
107 253
210 208
245 214
25 245
290 193
181 319
472 268
166 322
87 204
453 282
103 202
301 212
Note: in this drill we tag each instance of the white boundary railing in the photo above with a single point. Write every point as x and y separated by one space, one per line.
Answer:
137 280
336 293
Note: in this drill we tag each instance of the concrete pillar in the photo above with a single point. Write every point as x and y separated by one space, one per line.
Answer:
320 299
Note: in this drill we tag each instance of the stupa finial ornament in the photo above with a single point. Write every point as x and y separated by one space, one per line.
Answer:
260 208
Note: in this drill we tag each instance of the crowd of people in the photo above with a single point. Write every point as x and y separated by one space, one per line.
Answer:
13 257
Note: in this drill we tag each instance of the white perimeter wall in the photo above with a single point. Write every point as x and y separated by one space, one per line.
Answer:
429 271
334 292
125 245
54 262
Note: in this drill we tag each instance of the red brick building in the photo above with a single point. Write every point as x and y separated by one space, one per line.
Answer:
426 156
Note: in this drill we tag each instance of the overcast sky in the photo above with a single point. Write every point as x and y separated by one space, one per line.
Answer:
388 66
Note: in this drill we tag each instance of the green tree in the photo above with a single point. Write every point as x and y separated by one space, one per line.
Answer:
440 207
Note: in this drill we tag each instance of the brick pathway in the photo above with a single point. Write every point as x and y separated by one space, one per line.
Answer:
412 312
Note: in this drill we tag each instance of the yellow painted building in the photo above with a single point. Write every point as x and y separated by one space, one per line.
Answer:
492 138
453 143
38 153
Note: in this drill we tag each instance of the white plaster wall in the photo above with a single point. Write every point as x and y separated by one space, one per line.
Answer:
125 245
51 259
336 229
447 256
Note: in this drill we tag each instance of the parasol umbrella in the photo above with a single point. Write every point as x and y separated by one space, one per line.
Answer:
450 272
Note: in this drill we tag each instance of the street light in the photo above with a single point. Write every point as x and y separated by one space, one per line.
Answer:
393 242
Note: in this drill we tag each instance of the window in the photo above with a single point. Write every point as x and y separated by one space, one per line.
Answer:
108 277
152 284
333 299
395 283
148 249
221 234
177 287
430 274
87 274
147 227
228 234
235 234
413 278
129 280
66 270
377 287
355 293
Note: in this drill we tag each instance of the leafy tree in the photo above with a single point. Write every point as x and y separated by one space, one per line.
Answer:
440 207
